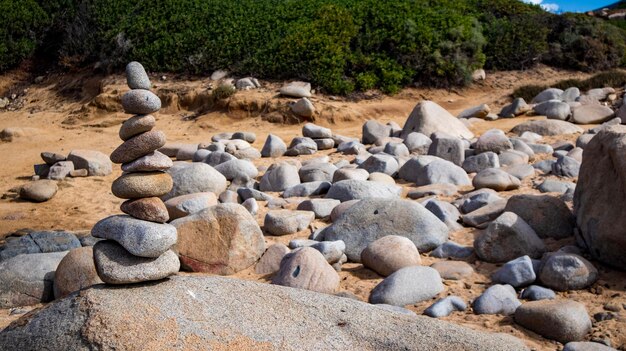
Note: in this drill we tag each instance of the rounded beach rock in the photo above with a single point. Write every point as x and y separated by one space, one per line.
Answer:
561 320
136 125
407 286
137 185
140 238
138 146
75 271
140 102
154 161
148 209
307 268
115 265
136 76
39 191
389 254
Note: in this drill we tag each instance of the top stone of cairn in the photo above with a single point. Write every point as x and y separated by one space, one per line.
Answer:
136 76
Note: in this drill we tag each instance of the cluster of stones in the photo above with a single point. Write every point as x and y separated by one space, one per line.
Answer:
138 245
457 180
56 167
594 106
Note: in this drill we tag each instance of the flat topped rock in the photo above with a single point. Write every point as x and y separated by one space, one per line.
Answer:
134 319
547 127
427 117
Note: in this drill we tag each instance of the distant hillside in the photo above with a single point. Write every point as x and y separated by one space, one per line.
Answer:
614 6
338 45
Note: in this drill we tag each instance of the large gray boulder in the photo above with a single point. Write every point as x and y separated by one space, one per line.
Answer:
28 279
203 311
548 215
427 118
441 171
600 197
371 219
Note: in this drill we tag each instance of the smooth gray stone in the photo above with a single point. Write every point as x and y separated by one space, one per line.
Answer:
441 171
352 189
140 238
517 273
115 265
507 238
498 299
321 207
546 95
307 189
406 286
316 132
236 168
301 146
246 193
586 346
481 217
28 279
541 148
218 157
317 171
563 271
273 147
417 143
373 218
279 176
545 166
561 320
190 178
444 307
536 292
140 102
136 76
448 148
555 186
446 212
549 216
478 199
475 164
373 130
381 163
452 250
566 167
284 222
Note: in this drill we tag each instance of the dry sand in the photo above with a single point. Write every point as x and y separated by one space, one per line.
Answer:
80 111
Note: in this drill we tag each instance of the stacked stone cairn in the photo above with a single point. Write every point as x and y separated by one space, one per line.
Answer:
138 245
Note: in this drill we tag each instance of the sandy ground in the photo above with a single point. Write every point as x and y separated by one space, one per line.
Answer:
80 111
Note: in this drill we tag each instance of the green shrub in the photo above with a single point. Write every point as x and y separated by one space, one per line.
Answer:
586 43
337 45
21 24
223 91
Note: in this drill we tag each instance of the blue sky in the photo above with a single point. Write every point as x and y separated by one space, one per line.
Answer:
571 5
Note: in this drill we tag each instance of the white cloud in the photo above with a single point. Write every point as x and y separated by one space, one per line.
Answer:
546 6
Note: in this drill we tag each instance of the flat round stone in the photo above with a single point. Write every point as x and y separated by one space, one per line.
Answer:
136 125
138 146
138 185
140 102
115 265
154 161
148 209
140 238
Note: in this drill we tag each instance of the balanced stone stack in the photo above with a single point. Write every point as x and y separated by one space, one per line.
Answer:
138 245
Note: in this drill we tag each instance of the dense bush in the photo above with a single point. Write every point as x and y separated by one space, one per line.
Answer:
586 43
338 45
21 24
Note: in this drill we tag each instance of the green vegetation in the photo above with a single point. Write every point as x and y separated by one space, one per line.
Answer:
613 78
338 45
